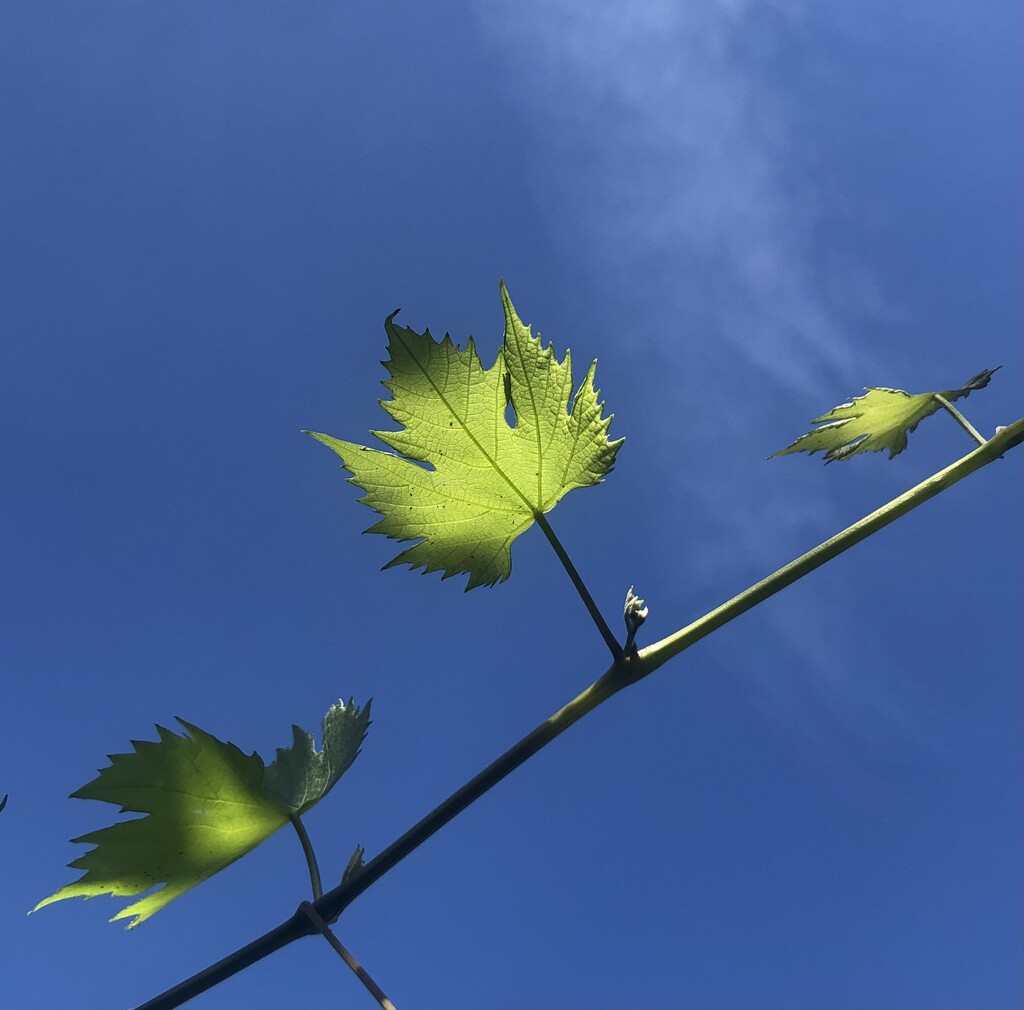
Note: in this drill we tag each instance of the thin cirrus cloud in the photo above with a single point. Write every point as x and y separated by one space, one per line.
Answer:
670 161
662 153
676 167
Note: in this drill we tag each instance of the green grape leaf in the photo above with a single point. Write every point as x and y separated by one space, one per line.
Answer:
881 419
301 775
484 481
206 808
207 804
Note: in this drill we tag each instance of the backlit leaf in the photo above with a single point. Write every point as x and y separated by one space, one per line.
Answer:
206 808
881 419
206 805
465 483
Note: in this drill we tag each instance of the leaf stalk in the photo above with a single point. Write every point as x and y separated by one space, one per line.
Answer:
360 972
961 420
307 851
581 587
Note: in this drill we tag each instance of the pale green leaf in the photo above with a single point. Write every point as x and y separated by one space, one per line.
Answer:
879 420
301 775
484 481
205 808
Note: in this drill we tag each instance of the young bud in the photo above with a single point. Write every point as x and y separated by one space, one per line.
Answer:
634 613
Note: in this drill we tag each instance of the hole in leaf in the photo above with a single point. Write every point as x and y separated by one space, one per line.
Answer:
510 411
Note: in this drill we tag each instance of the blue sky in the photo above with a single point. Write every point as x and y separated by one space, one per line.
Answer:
746 212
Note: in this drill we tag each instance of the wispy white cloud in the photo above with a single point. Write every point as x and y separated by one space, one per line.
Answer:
686 179
671 160
667 157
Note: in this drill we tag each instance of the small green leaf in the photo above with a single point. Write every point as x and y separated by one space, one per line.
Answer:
301 775
484 481
881 419
354 865
206 808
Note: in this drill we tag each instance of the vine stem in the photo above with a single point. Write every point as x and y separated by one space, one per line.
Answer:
360 972
991 449
307 851
588 601
618 676
961 420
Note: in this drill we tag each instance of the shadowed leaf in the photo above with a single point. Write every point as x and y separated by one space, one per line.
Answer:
301 775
